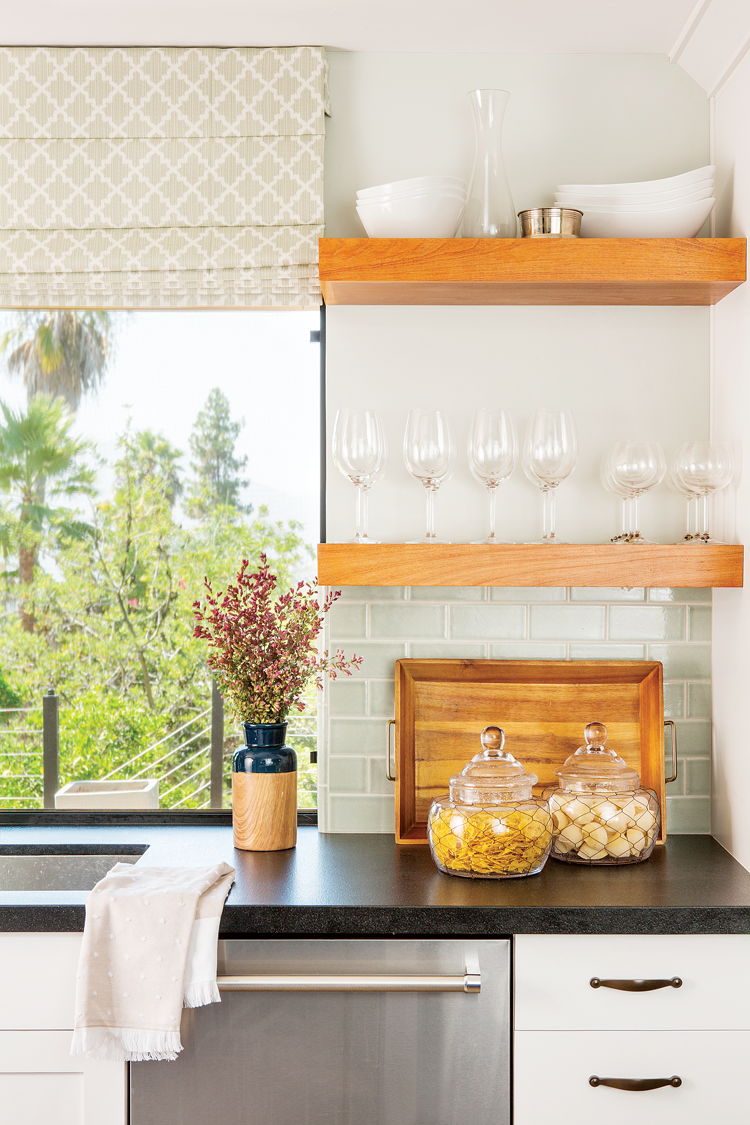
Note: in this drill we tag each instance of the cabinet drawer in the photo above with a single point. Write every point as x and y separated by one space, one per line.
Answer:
38 980
711 1064
553 989
40 1084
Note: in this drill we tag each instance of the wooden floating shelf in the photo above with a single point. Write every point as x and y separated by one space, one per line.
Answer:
525 564
529 271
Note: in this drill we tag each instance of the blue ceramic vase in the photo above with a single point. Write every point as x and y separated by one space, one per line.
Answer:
264 790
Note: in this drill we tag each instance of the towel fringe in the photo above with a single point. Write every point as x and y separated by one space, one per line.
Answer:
201 992
125 1044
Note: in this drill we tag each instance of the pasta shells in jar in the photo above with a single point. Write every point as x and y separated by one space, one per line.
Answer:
600 813
490 826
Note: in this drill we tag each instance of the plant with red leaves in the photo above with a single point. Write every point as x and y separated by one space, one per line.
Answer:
263 646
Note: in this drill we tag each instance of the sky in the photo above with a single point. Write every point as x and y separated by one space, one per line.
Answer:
166 363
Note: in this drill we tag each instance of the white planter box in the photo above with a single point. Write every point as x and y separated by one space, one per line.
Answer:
108 795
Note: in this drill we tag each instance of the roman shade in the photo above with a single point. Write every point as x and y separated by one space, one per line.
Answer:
135 177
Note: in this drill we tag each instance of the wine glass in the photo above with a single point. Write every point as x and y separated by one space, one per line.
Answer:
429 455
605 475
672 480
360 453
493 453
550 455
705 467
637 467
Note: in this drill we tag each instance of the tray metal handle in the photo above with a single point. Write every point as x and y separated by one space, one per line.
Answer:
388 774
635 1083
673 777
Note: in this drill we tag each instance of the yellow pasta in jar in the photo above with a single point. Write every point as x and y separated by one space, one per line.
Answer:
495 843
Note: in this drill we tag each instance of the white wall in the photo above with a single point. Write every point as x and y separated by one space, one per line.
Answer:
570 118
731 421
625 372
629 371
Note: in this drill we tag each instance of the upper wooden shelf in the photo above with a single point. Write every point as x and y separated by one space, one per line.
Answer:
530 271
526 564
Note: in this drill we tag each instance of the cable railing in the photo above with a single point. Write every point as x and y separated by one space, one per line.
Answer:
21 758
191 763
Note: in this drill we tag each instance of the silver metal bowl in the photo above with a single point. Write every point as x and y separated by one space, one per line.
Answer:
550 222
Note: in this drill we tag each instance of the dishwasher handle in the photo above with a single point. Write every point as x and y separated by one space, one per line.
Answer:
470 981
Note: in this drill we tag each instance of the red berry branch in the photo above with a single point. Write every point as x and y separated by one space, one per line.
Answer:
263 646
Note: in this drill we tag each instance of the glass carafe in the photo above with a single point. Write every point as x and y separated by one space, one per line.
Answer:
490 826
489 207
601 814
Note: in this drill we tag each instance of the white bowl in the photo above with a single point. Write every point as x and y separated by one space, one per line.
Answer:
680 222
431 216
410 185
641 208
646 186
702 190
456 193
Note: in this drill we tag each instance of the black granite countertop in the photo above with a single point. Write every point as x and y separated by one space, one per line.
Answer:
367 884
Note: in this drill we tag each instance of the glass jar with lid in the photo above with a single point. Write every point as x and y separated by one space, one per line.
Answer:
601 814
490 826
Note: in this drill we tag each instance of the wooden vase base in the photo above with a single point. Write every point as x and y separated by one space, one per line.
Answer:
264 811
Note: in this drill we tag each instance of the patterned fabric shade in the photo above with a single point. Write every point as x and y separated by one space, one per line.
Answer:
161 176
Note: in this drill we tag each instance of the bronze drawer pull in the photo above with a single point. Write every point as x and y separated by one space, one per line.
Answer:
635 1083
636 985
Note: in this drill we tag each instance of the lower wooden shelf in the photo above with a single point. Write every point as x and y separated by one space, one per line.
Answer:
524 564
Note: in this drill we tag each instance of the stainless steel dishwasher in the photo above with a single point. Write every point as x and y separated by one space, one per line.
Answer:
342 1032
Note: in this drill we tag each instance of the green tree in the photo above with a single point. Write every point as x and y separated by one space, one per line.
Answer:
40 461
62 353
218 479
148 456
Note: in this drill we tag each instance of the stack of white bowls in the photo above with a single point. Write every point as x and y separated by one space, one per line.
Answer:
673 208
425 207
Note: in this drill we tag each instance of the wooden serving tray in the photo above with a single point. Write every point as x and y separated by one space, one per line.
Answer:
543 707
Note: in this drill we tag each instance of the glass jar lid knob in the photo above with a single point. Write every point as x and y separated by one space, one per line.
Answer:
493 741
595 735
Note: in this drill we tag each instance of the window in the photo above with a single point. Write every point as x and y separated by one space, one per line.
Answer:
176 444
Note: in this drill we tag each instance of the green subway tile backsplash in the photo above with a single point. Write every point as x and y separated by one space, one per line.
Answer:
383 624
407 620
647 623
567 622
699 623
449 593
699 701
488 622
605 594
680 594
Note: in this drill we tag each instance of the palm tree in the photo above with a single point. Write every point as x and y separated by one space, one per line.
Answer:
40 460
59 352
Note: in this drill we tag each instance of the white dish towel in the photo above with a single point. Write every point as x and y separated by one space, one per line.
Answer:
149 949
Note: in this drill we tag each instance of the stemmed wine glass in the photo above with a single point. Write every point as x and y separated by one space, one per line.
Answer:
704 467
429 455
360 453
673 481
550 455
493 453
623 491
636 467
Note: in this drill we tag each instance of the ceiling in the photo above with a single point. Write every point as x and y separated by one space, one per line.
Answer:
623 26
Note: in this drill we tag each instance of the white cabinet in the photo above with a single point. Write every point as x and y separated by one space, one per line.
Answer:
40 1083
553 982
568 1031
711 1064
